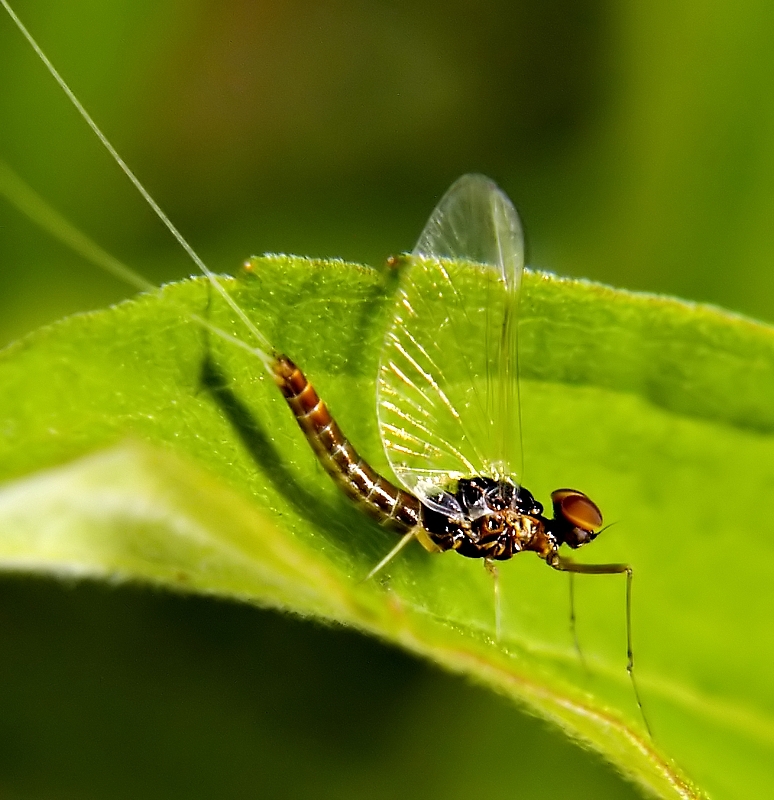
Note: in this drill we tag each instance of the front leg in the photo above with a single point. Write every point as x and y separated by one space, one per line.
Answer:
563 564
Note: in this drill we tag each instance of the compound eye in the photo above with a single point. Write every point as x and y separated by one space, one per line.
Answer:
577 508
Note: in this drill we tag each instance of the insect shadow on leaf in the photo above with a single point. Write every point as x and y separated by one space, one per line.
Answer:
338 519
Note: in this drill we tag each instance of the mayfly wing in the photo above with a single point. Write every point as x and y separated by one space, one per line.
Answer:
448 401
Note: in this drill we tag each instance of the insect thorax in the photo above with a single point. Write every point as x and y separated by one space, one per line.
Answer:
486 518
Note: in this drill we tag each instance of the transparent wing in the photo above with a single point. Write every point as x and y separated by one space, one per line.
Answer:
448 400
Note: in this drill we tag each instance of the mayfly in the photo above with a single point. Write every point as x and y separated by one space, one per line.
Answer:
448 396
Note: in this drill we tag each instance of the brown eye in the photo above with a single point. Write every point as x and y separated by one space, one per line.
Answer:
577 509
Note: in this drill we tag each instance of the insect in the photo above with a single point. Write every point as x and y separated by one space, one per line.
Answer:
448 395
459 490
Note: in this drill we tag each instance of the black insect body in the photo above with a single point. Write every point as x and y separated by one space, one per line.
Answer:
496 520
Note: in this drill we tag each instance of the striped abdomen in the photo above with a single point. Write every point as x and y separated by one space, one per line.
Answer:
376 495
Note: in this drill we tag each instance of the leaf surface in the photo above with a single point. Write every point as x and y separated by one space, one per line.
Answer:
138 448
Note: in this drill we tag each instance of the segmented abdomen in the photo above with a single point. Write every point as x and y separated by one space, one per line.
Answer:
376 495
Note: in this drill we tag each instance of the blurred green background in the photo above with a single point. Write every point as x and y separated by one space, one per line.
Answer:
637 141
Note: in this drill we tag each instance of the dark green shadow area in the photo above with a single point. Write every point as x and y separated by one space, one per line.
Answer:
124 694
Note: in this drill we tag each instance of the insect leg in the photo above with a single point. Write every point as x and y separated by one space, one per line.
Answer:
573 626
405 539
567 565
492 570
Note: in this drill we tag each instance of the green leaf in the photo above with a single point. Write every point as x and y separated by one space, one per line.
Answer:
136 447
